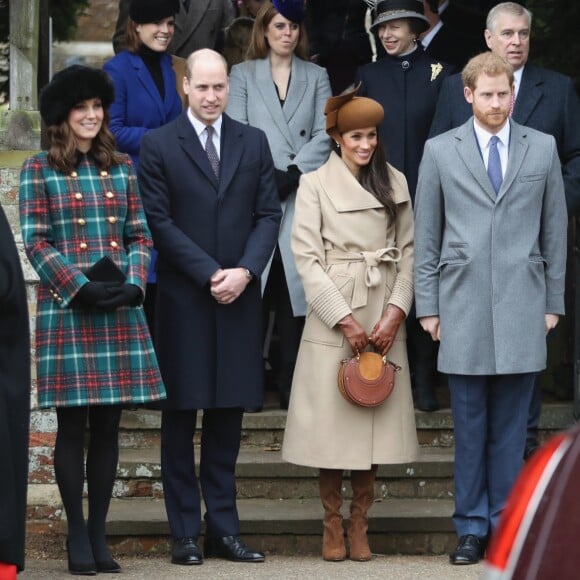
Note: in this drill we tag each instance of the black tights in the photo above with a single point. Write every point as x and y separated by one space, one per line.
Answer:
87 542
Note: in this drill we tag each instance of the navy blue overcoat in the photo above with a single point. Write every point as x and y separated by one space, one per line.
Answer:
210 355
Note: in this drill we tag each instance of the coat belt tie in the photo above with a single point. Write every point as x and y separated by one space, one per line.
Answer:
372 274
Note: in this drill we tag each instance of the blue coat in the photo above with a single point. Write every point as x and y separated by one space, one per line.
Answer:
210 354
138 107
546 102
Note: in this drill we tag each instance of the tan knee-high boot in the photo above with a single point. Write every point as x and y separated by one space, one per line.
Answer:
362 498
330 483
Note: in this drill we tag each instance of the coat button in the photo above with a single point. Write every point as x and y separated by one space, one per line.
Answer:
291 156
74 174
114 244
110 194
83 246
81 222
112 219
78 196
302 133
104 174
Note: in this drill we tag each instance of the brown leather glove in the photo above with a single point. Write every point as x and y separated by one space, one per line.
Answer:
354 333
384 332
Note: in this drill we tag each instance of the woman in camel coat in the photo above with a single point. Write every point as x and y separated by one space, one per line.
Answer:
354 252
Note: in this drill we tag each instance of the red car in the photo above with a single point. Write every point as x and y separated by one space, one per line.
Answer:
538 535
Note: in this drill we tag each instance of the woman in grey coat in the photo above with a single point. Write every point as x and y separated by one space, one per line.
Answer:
278 91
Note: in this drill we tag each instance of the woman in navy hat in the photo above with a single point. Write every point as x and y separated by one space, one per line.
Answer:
280 92
146 95
406 82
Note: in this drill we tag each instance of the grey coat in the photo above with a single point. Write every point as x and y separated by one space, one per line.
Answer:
296 135
490 267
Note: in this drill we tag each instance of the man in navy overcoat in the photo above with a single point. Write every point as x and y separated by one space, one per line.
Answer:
213 209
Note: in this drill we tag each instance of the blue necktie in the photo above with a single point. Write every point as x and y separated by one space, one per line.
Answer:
494 164
211 152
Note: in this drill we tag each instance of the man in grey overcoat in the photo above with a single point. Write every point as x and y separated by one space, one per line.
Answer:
490 255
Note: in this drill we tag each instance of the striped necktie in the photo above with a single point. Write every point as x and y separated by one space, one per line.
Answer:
211 152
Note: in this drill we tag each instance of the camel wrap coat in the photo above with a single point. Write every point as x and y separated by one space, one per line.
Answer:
352 258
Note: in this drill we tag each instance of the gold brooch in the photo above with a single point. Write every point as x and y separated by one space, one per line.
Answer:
435 70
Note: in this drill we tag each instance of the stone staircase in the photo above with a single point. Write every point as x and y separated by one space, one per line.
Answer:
278 502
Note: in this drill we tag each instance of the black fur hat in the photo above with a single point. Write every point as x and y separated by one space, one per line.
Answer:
70 86
145 11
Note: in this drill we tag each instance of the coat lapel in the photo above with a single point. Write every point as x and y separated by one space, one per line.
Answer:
191 144
518 147
529 95
232 147
343 190
146 80
297 88
270 98
468 149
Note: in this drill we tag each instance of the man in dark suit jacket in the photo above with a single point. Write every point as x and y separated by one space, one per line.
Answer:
545 100
214 215
14 405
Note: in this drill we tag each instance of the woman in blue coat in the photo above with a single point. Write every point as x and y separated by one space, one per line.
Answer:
146 96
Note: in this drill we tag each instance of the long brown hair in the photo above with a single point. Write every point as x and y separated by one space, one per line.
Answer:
132 40
259 45
63 153
374 177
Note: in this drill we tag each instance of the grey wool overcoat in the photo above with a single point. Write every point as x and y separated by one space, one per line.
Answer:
490 266
353 258
296 135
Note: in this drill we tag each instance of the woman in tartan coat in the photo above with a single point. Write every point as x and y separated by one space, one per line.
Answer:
78 203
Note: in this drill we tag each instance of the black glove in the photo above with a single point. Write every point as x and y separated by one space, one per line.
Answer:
125 295
90 294
287 181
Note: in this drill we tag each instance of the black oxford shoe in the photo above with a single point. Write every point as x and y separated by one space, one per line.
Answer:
469 550
186 552
231 548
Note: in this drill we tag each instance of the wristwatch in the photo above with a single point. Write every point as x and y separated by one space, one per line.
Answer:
249 275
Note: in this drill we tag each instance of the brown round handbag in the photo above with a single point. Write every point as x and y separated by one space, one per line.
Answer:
367 378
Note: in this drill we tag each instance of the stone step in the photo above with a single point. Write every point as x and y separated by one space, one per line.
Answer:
140 428
261 473
291 525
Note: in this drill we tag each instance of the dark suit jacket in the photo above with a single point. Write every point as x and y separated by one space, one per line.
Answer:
453 47
14 399
210 355
546 101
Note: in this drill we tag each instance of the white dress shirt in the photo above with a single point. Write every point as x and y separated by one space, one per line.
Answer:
483 139
199 127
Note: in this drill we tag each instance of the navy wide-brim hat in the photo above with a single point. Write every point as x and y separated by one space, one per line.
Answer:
388 10
147 11
70 86
291 9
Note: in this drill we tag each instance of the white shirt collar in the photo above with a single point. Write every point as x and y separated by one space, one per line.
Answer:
426 40
199 126
518 80
483 136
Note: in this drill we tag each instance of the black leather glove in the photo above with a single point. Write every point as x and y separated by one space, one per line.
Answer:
124 295
287 181
90 294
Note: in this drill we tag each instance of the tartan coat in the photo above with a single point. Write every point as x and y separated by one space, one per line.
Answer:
68 223
14 400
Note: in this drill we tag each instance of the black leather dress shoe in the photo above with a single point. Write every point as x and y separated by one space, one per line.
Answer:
470 550
186 552
108 567
231 548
